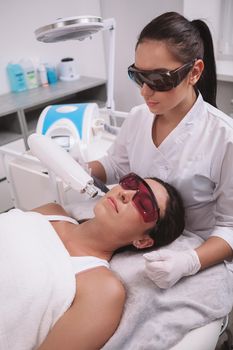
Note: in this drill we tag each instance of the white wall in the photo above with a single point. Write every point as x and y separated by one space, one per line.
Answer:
19 19
131 16
208 11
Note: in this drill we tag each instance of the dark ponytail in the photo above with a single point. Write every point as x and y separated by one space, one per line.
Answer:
207 84
186 40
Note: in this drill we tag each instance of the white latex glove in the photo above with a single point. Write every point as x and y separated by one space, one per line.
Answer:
166 267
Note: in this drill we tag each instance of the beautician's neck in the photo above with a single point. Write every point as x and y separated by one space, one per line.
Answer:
175 116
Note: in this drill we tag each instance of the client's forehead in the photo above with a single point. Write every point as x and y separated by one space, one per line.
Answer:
160 193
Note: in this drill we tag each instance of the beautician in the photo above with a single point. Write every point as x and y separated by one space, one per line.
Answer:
180 136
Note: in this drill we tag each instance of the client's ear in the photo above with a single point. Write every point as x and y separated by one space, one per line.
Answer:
145 242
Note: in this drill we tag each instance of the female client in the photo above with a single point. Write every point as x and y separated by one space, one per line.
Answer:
57 291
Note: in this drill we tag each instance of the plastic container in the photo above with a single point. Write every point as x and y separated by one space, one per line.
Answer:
16 77
51 74
68 69
30 73
43 75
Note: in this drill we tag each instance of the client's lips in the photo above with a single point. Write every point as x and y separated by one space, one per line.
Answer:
113 203
152 103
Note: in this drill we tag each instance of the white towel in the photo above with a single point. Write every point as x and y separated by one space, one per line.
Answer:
158 319
37 283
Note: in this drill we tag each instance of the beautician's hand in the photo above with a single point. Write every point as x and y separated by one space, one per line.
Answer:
166 267
78 155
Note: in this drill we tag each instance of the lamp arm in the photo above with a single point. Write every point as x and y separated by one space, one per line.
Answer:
110 25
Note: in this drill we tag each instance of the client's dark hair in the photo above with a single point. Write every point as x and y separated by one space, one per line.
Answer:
171 224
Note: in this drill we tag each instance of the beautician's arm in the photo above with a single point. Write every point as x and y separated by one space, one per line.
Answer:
98 170
213 251
166 267
216 249
94 315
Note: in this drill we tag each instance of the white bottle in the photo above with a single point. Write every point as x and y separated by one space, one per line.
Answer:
30 73
43 75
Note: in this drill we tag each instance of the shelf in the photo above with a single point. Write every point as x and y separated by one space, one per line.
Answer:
19 112
10 129
7 137
24 100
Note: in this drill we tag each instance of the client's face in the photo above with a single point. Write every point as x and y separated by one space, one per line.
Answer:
123 216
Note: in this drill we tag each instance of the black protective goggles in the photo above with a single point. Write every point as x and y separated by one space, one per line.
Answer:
160 79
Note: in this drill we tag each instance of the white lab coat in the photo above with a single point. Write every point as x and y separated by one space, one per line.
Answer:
196 157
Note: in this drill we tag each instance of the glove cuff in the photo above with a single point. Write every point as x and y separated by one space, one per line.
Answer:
194 264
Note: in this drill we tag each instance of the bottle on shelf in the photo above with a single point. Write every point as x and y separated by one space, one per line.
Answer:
43 75
51 73
30 73
16 77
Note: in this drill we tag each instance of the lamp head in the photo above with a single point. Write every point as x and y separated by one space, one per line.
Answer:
69 28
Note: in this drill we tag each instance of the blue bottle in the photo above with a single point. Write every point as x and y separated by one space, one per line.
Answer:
16 77
51 74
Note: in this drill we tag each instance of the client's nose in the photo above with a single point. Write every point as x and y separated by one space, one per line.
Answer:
127 195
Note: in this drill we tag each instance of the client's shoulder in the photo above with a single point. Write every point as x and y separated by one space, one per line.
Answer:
51 209
102 282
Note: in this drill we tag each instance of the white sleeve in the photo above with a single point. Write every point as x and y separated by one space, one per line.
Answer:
116 162
224 196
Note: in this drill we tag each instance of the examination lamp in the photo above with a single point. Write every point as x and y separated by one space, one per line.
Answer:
45 149
79 28
57 160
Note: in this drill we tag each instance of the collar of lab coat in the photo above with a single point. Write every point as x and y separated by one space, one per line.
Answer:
171 147
186 126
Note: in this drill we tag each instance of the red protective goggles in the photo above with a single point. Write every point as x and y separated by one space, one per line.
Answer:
160 79
144 199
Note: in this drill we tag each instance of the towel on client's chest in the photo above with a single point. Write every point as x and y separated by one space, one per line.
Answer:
37 283
157 319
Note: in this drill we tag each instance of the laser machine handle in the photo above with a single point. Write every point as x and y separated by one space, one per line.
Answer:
61 163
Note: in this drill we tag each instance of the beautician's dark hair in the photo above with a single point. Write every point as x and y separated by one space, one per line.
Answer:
171 225
186 40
